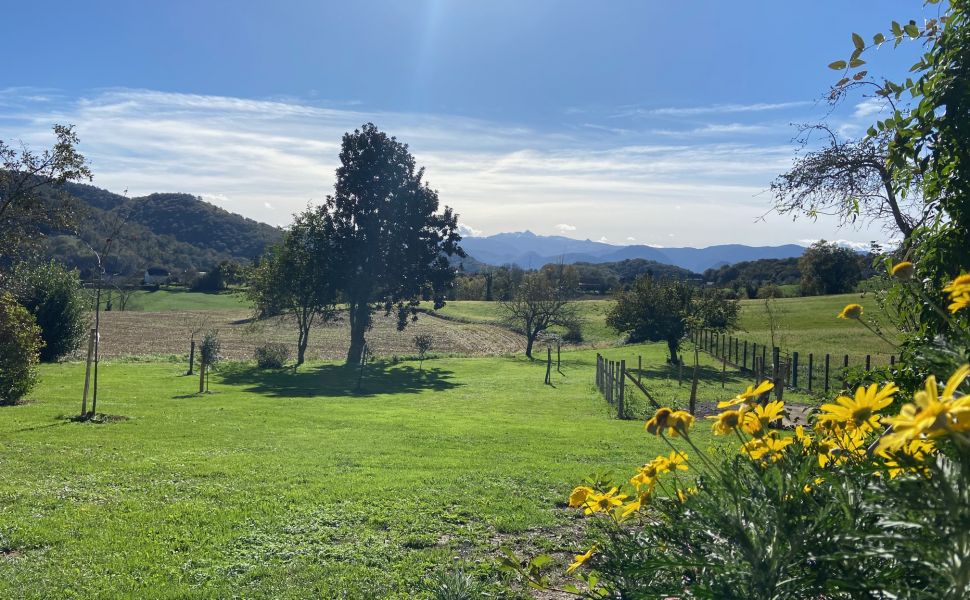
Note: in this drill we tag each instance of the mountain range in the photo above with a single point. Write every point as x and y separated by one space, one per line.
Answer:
181 232
528 250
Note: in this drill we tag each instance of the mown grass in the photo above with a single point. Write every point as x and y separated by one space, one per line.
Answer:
162 300
593 313
811 324
292 485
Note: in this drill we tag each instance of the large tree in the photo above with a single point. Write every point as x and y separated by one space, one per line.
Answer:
28 206
297 278
537 303
829 269
656 310
393 243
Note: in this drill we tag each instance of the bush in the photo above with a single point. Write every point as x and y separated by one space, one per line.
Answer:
20 345
574 334
56 299
272 355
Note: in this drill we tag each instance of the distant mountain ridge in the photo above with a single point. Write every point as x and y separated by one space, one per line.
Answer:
172 231
528 250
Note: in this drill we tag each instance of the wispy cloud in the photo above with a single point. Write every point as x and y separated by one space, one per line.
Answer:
563 227
711 109
268 158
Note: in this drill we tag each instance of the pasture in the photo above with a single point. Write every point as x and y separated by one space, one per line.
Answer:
291 484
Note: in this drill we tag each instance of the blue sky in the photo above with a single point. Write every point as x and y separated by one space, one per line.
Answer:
635 122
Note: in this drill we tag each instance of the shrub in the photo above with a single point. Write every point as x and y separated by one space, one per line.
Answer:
574 334
20 345
272 355
423 344
56 299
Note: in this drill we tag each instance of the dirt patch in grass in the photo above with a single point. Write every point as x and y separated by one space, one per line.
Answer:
146 333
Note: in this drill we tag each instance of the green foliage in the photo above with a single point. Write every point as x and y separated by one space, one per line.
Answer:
60 307
209 349
272 355
219 278
20 345
392 244
26 180
423 344
537 304
749 276
299 277
177 232
658 310
828 269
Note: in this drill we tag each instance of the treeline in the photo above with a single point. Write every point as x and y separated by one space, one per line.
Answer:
499 283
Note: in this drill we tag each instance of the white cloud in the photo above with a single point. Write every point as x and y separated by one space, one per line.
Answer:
467 230
246 154
563 228
682 111
604 240
868 108
631 239
854 245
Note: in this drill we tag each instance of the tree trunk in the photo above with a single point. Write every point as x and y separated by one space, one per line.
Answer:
528 344
672 346
301 345
359 313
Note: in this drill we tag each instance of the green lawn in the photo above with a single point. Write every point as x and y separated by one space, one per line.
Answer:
593 312
811 325
290 485
179 300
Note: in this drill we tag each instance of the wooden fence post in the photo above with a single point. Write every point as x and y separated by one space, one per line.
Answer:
620 413
868 362
845 368
639 367
191 357
744 361
794 370
693 386
548 365
87 373
202 366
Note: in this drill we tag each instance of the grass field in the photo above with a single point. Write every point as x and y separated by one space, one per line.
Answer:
593 313
181 300
290 485
811 325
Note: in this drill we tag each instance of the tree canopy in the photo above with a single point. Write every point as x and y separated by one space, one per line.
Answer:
393 244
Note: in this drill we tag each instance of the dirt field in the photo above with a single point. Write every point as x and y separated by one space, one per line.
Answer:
146 333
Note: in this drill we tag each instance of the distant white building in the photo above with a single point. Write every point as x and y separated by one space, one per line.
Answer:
156 276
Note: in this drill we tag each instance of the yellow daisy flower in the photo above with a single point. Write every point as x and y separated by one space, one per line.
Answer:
959 291
860 412
579 496
851 311
757 421
932 415
769 446
904 271
726 422
580 559
604 502
752 393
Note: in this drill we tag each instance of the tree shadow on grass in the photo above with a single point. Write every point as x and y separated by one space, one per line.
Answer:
337 380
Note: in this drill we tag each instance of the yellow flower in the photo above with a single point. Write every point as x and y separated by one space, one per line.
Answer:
803 437
915 450
633 507
808 488
726 422
860 412
649 472
580 559
682 495
904 271
851 311
676 422
756 422
579 496
932 415
680 423
752 393
604 502
768 446
658 421
959 291
839 448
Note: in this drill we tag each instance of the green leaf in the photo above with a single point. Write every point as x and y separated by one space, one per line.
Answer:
911 29
858 41
878 39
871 132
837 65
897 29
856 62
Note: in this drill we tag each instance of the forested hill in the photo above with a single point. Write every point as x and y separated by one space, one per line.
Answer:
177 232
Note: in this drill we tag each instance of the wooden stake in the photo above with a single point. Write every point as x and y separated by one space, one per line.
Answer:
87 373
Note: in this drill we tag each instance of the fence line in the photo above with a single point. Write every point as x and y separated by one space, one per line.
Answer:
811 373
